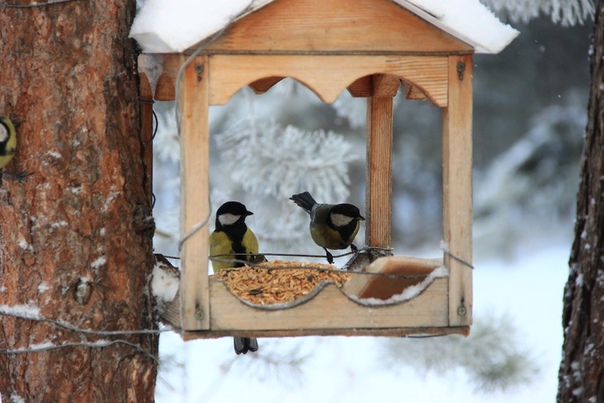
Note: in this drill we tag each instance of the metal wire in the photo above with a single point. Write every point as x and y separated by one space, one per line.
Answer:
33 5
231 258
93 344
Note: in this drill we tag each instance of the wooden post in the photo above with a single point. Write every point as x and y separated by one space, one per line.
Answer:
379 161
195 208
457 189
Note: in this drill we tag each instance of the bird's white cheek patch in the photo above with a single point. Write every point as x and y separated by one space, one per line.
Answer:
3 134
228 218
339 220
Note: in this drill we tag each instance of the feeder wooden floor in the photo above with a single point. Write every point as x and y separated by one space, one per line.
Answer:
329 310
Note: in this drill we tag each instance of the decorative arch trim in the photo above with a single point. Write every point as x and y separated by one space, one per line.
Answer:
326 76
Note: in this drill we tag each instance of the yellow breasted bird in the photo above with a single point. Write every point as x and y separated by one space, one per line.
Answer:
332 226
8 146
233 238
8 141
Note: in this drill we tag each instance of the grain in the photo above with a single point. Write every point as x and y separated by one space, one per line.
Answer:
279 281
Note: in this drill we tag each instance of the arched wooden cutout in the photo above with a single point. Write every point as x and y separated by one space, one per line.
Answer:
361 87
385 85
264 84
412 92
326 76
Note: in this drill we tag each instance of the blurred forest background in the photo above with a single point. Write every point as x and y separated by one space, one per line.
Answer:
530 105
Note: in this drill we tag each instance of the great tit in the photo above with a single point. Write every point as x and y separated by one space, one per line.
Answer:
233 238
8 146
8 141
332 226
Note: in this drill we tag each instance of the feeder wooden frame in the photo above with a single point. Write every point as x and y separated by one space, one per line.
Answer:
428 63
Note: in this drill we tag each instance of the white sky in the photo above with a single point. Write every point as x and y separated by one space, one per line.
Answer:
172 26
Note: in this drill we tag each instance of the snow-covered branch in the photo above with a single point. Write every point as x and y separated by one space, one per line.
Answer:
564 12
267 159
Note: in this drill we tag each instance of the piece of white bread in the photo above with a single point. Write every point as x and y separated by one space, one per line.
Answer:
384 287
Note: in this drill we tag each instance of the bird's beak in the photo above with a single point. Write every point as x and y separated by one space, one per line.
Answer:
247 213
361 217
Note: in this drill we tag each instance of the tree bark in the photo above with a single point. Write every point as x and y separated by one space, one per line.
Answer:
581 377
81 222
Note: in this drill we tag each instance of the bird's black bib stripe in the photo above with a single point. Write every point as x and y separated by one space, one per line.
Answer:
236 233
347 230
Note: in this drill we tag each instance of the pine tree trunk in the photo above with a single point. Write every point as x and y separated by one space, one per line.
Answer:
68 72
581 377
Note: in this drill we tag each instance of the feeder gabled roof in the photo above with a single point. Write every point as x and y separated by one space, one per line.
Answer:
177 25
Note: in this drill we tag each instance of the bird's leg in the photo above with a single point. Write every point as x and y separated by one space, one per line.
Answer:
239 344
329 256
243 345
252 344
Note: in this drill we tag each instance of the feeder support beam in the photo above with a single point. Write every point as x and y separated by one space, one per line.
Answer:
379 161
457 189
195 209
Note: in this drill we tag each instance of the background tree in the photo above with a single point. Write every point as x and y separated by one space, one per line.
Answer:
75 235
581 377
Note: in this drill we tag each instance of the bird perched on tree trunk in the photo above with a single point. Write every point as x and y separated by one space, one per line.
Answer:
232 244
8 147
332 226
8 141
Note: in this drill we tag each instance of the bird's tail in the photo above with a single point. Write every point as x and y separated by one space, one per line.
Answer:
245 344
304 200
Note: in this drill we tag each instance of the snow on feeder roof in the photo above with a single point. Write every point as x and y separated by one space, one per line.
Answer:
177 25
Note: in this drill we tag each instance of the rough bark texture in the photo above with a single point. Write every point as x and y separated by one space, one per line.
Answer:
69 74
581 377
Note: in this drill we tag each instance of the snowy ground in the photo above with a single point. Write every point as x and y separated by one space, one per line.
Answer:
527 287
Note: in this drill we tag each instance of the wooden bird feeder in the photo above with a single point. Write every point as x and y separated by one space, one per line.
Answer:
370 48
